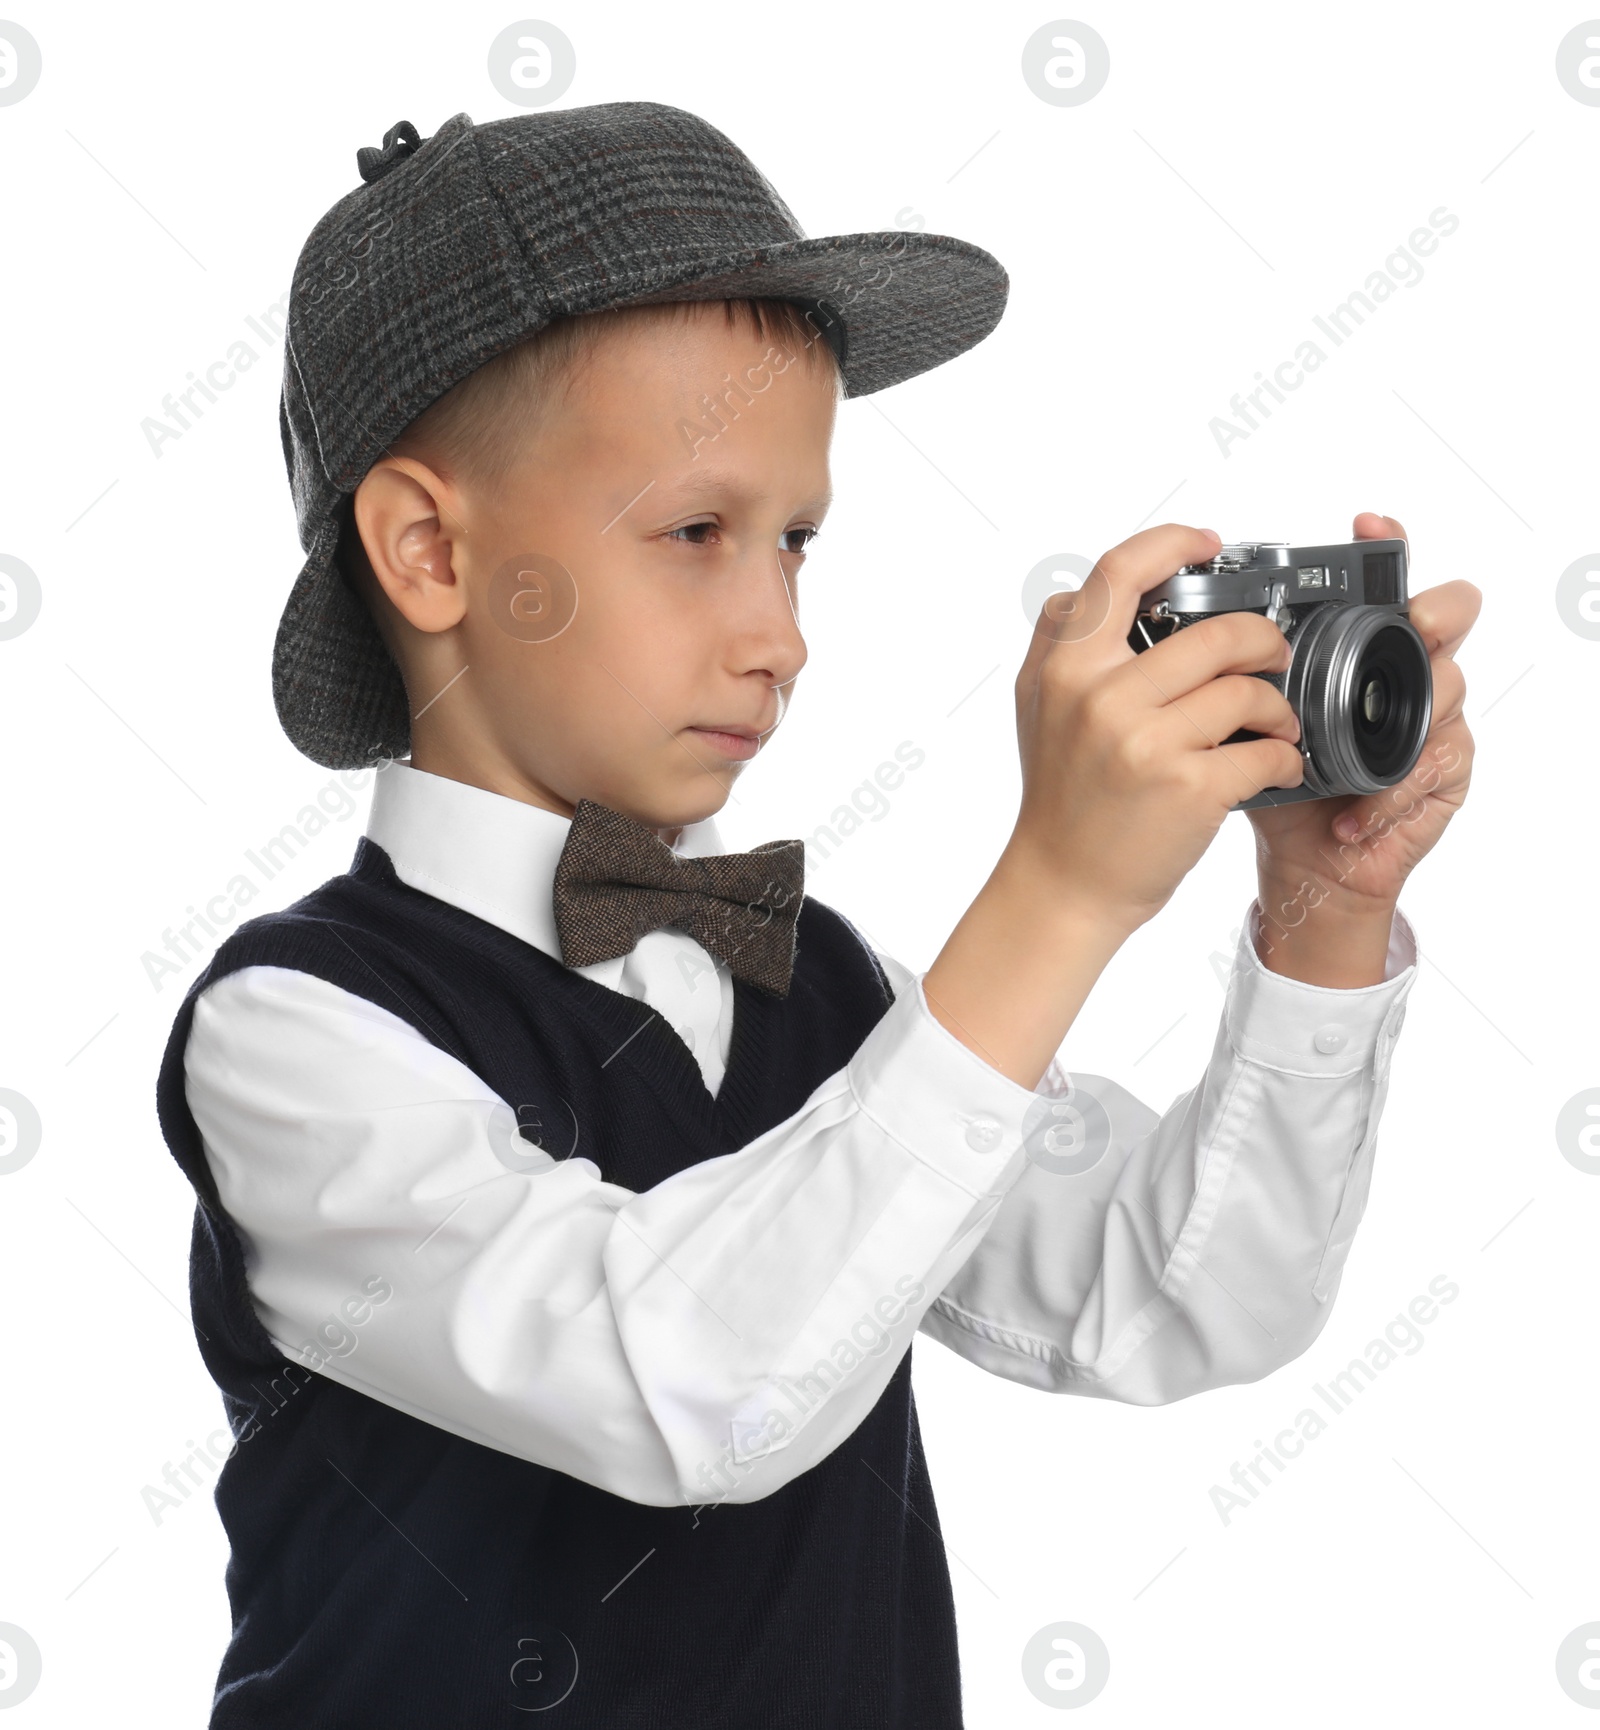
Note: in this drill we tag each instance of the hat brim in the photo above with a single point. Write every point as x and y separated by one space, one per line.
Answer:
908 301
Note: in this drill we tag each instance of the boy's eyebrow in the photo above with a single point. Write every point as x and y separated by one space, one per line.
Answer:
698 485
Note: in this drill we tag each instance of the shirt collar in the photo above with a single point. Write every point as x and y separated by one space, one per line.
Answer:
486 853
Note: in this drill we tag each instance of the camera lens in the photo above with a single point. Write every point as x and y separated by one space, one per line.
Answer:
1389 718
1364 693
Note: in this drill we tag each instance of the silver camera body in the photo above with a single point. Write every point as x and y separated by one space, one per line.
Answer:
1359 681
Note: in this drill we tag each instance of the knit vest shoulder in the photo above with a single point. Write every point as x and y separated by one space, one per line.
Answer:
386 1574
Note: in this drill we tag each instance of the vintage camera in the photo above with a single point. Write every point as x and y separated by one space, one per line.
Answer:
1359 681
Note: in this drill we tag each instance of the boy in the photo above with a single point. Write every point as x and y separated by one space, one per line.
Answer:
571 1189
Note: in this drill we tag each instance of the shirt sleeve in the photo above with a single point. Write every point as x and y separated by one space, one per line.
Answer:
1144 1257
706 1340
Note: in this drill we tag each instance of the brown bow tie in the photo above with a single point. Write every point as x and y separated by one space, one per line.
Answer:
617 880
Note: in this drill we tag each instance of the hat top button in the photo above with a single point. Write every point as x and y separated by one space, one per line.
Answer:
398 143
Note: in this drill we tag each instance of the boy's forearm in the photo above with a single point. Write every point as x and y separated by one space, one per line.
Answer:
1017 968
1337 942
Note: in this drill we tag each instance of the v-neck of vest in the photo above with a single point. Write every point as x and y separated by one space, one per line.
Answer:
628 1023
639 1033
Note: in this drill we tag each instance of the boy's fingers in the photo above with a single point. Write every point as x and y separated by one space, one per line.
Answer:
1445 613
1449 692
1442 772
1099 615
1240 771
1204 717
1370 526
1186 661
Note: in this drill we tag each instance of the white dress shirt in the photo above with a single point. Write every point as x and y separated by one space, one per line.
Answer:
718 1334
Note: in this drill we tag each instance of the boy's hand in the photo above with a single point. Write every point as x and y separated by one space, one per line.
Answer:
1124 781
1304 854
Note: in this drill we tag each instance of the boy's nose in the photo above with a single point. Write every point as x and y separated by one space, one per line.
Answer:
771 626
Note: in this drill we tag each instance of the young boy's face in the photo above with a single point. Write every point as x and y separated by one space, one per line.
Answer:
684 545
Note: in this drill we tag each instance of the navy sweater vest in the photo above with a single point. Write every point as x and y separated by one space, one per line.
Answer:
388 1575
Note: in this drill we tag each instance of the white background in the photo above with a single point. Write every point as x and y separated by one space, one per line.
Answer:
1244 168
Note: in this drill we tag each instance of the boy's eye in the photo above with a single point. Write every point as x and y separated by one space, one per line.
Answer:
694 535
691 529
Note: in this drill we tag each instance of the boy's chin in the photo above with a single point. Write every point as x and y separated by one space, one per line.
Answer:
692 801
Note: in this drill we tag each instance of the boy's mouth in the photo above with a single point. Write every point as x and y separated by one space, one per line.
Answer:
738 742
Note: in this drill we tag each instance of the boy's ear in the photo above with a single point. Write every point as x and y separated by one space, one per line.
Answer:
407 536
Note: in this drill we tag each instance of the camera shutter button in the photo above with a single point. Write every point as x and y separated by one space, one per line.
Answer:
1330 1038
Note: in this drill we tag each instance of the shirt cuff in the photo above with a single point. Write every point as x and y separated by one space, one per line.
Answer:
940 1100
1304 1029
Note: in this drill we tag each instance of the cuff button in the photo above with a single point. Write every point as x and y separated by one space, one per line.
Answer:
1330 1038
983 1132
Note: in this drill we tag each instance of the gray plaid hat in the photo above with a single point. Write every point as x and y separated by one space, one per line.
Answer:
456 247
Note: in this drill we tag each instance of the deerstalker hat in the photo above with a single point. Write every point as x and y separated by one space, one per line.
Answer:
458 246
